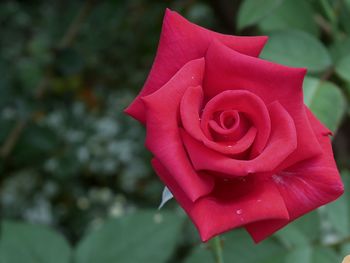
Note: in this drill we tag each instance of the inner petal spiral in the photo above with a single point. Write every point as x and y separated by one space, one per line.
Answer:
229 119
234 113
229 122
228 126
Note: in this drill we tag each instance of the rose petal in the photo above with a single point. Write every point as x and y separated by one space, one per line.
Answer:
227 69
282 143
305 186
231 205
230 125
244 102
180 42
189 110
229 119
163 138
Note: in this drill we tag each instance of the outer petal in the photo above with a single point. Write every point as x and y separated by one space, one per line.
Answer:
180 42
231 204
227 69
281 144
305 186
163 138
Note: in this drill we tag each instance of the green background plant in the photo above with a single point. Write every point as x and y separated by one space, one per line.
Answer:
75 179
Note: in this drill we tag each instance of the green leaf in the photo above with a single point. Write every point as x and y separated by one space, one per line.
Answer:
340 49
343 68
201 254
300 255
297 49
276 258
252 11
338 212
325 255
312 254
344 17
28 243
309 225
300 233
242 245
345 249
326 101
239 247
291 14
144 236
292 237
310 87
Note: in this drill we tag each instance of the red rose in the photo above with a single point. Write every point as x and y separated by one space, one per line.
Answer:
231 136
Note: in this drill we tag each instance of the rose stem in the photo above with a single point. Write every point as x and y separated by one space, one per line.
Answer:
216 247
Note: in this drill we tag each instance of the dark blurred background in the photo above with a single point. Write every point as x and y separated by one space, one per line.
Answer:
74 175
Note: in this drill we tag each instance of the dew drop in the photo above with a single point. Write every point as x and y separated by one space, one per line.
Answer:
259 200
229 146
239 211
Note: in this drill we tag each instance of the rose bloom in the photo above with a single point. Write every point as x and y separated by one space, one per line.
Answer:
230 134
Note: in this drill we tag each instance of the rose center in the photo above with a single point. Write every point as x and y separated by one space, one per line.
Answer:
228 125
236 117
229 119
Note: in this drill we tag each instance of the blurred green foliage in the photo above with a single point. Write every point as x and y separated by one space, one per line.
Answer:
75 179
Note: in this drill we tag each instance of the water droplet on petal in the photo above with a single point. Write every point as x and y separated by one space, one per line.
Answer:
239 211
259 200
